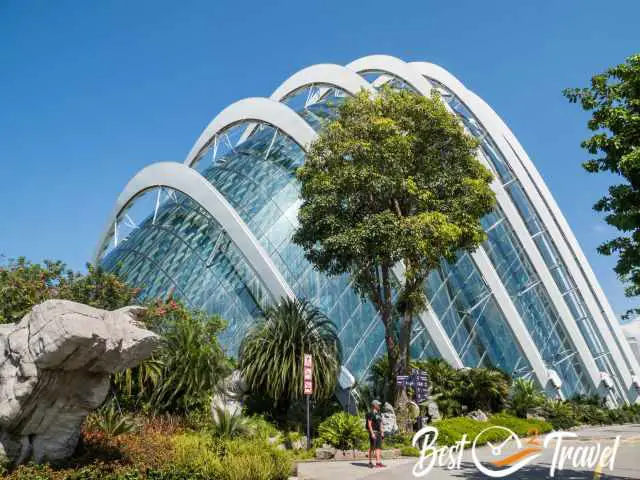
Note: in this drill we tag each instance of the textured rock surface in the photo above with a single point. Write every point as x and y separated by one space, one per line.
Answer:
389 423
230 394
478 415
55 366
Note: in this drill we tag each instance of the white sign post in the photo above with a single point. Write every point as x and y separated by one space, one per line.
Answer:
308 391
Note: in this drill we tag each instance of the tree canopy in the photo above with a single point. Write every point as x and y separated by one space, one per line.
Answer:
394 181
614 102
24 284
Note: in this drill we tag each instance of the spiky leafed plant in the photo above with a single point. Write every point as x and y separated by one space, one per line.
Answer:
485 388
525 396
271 354
227 425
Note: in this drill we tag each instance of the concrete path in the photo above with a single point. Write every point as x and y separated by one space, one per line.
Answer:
626 466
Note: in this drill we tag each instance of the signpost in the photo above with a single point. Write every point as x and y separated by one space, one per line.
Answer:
308 391
419 381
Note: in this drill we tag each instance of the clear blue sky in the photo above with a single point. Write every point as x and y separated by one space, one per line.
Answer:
93 91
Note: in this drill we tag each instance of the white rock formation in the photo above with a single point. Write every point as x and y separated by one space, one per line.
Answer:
55 367
229 395
389 423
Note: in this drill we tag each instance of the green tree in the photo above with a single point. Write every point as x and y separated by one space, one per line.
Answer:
614 102
24 284
271 354
393 182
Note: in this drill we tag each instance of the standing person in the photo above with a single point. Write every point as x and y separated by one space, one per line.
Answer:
374 427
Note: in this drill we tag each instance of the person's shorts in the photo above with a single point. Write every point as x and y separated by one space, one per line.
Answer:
375 443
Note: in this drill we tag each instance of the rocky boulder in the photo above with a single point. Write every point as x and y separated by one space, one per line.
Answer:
55 368
478 415
389 422
229 395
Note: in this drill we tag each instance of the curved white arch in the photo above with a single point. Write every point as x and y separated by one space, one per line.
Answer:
496 128
409 74
183 178
322 74
571 250
393 66
325 74
255 109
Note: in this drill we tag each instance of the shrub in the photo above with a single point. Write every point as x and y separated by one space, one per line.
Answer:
192 360
262 429
343 431
560 414
409 452
524 397
271 355
230 459
226 425
110 422
452 430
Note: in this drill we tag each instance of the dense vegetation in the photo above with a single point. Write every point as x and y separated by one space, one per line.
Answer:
393 181
157 424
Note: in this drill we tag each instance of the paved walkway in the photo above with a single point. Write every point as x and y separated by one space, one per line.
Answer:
626 467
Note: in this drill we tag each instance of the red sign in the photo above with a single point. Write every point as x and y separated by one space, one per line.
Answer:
308 374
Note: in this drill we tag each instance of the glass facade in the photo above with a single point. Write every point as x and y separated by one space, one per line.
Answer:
166 243
572 296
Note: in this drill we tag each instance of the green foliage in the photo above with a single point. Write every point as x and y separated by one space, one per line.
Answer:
559 413
230 459
271 354
484 388
451 430
110 421
343 431
24 284
409 451
474 388
191 357
524 397
394 179
226 425
614 102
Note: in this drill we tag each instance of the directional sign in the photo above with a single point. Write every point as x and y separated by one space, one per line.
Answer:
308 374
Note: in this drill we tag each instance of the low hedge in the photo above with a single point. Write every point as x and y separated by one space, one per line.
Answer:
451 430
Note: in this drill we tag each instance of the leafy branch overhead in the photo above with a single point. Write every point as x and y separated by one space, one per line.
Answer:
614 100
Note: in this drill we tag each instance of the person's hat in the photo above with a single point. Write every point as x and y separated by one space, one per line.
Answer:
376 403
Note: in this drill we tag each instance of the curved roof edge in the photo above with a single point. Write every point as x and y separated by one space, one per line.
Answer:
255 109
186 180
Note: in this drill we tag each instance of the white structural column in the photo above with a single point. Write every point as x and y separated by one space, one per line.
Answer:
519 227
405 72
431 323
255 109
186 180
497 130
590 288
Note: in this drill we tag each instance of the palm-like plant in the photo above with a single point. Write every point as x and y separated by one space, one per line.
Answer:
524 397
193 362
486 389
227 425
271 354
110 421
